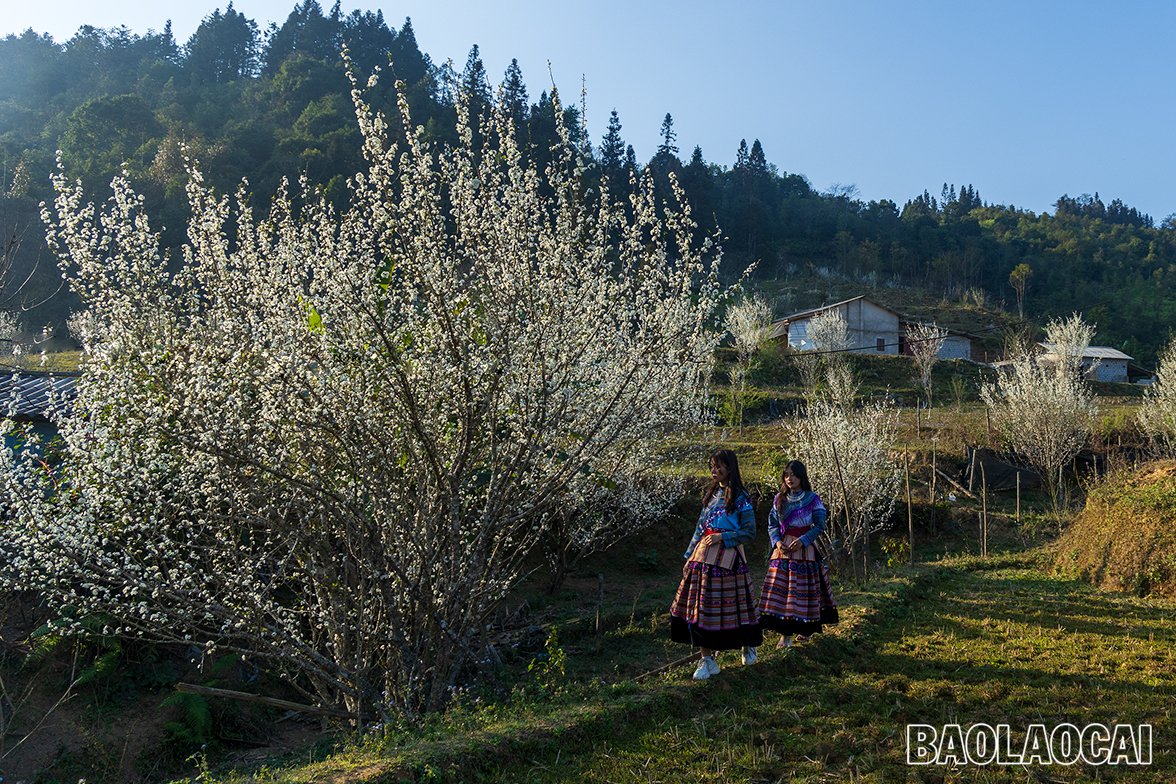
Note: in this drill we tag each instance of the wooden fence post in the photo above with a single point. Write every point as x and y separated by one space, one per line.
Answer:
910 513
983 512
1018 496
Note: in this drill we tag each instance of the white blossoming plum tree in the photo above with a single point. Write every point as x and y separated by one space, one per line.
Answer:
847 449
1157 414
925 341
750 323
1045 411
330 439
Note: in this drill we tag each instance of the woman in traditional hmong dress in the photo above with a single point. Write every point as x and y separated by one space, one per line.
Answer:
796 600
713 608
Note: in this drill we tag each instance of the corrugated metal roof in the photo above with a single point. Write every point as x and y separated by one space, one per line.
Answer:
27 394
814 311
1096 352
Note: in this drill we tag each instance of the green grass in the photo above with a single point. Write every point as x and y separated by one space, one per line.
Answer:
58 361
961 640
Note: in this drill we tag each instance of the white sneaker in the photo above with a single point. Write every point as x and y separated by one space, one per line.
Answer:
749 655
706 668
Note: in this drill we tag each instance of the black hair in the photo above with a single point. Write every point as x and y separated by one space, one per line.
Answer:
734 480
797 469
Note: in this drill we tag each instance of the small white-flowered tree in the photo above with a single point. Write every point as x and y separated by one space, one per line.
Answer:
848 452
1157 415
331 439
750 323
925 341
1045 411
828 333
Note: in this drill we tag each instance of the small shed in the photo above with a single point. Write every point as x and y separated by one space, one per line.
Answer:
1102 363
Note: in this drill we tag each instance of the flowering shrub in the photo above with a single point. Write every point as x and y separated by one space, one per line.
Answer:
330 439
1045 411
847 450
1157 415
925 341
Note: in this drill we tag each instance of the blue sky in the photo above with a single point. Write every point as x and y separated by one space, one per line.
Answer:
1024 100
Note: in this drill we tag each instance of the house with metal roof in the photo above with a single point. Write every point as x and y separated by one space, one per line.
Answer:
1102 363
873 328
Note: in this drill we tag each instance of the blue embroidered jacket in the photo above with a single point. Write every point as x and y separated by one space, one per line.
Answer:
736 527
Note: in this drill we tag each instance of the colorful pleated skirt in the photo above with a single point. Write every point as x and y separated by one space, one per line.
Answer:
796 598
714 608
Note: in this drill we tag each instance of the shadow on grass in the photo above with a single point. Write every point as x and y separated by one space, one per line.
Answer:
984 647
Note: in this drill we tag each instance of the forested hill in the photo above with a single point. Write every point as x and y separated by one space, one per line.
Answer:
273 104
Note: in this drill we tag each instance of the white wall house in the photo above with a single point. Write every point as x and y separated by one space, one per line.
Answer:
1109 364
955 346
873 328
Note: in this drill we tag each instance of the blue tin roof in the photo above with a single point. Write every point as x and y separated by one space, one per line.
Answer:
27 394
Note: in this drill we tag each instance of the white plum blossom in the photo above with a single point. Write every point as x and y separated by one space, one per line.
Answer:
925 342
1157 415
1045 412
331 438
848 450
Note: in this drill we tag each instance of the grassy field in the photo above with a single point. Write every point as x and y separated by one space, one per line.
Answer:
957 640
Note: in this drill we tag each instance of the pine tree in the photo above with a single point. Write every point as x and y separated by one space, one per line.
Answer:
741 156
667 146
473 79
408 63
757 161
308 31
631 165
368 38
514 95
612 146
223 48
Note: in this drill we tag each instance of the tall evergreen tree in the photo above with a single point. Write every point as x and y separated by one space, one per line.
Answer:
368 39
514 95
756 160
307 31
612 146
408 62
699 184
631 165
473 77
741 156
668 137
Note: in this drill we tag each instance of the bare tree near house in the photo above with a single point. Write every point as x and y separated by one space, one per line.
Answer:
1157 415
925 342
